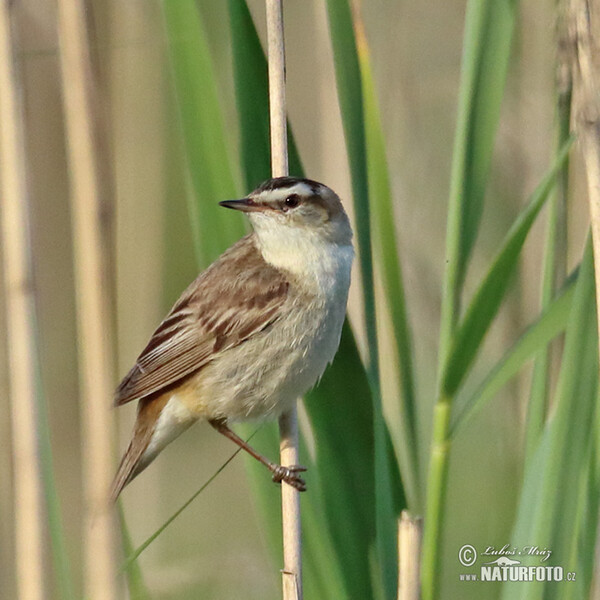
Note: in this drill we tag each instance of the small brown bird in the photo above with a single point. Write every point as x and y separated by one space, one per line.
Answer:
253 332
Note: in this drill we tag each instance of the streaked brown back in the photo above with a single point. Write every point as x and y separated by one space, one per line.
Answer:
236 297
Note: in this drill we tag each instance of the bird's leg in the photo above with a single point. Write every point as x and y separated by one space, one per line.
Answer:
280 473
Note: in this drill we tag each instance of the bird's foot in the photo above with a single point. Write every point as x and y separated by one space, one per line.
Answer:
289 475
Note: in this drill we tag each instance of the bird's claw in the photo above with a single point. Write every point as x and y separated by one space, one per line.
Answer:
290 476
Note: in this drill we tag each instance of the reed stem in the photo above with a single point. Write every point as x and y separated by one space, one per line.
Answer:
288 422
21 333
91 214
410 537
277 105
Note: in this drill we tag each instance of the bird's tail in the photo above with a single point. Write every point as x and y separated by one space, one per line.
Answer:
129 467
159 421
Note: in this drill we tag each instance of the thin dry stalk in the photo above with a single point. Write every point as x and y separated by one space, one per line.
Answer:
21 334
585 25
288 422
92 250
410 537
290 509
277 107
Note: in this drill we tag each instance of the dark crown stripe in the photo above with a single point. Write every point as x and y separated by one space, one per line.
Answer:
283 182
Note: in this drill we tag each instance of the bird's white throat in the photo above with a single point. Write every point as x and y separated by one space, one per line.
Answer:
306 254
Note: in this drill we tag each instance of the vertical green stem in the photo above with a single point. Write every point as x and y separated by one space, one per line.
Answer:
436 499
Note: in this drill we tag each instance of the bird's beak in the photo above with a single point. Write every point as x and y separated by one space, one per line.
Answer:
245 205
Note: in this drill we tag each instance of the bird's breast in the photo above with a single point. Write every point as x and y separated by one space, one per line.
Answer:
267 373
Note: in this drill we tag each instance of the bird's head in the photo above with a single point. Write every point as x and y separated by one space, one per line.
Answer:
293 207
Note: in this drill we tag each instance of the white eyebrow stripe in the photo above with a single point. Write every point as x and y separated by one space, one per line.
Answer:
300 188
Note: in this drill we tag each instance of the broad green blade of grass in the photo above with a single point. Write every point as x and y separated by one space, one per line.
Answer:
342 417
489 28
350 94
551 323
325 567
386 248
204 135
489 296
555 480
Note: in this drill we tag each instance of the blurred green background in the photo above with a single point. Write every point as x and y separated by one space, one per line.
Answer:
217 548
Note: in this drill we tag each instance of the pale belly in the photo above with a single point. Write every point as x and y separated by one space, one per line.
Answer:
264 376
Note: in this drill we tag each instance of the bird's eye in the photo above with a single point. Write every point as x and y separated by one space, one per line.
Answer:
291 201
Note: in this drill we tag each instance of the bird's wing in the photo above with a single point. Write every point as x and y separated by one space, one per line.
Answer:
236 297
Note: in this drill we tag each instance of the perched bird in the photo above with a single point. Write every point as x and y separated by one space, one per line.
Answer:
253 332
